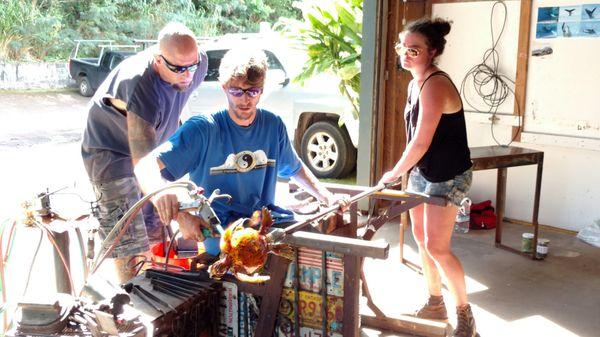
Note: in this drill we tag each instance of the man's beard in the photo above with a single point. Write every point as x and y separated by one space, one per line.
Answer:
180 87
244 116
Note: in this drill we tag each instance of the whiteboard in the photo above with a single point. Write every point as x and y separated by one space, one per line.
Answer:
563 88
471 36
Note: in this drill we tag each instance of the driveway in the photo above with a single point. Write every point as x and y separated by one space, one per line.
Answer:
40 135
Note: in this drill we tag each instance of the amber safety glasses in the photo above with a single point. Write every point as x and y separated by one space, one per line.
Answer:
410 52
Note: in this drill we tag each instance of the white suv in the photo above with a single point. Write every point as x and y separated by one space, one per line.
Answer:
318 118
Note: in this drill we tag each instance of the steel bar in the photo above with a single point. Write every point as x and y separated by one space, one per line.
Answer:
180 283
146 300
153 297
175 288
169 292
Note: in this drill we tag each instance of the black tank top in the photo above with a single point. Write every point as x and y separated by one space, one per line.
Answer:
448 155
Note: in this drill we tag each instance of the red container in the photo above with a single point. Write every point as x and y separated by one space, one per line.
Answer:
158 255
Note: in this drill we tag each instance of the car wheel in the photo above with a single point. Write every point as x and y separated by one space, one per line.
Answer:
327 150
85 89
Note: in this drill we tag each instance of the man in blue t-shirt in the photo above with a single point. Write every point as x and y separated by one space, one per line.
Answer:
241 151
136 108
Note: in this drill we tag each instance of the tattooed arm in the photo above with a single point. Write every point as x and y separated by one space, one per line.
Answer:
141 134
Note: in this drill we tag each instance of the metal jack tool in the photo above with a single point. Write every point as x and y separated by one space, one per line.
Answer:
202 208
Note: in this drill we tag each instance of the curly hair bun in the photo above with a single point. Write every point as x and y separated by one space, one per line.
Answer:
434 31
441 26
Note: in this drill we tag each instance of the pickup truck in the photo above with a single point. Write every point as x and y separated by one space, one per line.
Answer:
90 72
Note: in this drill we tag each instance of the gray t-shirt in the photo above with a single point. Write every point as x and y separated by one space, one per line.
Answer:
105 147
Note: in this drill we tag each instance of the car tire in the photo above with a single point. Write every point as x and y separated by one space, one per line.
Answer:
327 150
85 89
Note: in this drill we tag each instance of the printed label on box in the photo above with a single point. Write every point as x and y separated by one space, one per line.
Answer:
311 269
309 306
228 311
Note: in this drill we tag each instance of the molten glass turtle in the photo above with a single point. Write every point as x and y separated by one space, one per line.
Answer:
244 249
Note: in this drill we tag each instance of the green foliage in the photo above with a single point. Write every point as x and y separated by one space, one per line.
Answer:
45 29
331 33
23 23
236 16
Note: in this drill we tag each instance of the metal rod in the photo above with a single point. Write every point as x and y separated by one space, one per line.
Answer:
173 287
153 297
143 297
332 209
169 292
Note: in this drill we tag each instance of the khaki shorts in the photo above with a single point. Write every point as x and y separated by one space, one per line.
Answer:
114 199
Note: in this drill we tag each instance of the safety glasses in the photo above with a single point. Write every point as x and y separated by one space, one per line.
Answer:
410 52
239 92
180 69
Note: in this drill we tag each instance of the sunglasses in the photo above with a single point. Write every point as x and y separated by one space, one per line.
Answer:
410 52
180 69
239 92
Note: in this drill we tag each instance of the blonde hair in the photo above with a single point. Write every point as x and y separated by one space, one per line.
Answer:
248 64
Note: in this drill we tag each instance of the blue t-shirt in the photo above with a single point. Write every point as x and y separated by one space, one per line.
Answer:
243 162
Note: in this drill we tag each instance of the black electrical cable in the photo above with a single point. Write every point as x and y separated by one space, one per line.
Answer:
491 86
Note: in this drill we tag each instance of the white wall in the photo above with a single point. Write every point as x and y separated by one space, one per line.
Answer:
565 131
39 75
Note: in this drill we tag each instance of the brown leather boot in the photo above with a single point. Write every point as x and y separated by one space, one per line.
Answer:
465 326
435 308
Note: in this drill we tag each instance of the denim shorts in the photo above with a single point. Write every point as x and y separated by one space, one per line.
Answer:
114 199
455 190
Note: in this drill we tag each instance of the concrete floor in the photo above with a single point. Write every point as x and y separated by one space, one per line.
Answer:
511 295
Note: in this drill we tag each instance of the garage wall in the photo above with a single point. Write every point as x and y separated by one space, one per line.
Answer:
562 117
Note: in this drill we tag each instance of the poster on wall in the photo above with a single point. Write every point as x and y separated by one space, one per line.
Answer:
568 21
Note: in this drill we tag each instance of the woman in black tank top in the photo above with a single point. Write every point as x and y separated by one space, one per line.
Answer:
438 159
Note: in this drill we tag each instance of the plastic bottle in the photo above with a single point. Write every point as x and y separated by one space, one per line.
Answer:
463 216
